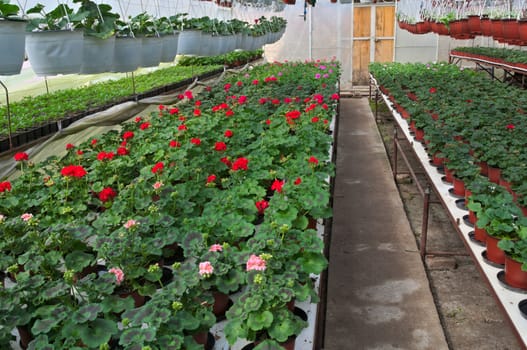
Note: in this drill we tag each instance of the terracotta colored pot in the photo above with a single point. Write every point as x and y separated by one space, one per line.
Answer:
514 275
474 24
522 30
484 168
449 175
221 303
423 27
494 174
471 217
419 134
437 161
486 27
511 29
497 29
480 234
494 253
459 187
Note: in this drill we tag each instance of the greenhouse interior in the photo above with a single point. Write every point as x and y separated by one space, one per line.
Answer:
263 174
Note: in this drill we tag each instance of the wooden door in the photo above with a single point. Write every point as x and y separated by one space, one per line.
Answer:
373 38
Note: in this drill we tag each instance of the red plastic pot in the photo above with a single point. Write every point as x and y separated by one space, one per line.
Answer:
494 253
474 24
459 187
494 174
486 27
514 275
497 29
511 31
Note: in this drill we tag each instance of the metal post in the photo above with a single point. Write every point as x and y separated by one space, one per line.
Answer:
376 104
8 116
46 81
133 87
424 226
395 145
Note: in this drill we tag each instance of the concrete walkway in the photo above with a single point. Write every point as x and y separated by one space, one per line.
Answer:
378 295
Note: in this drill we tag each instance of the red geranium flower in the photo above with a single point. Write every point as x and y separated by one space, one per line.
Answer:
510 126
278 185
197 103
239 83
227 87
228 133
161 107
275 101
182 118
261 206
128 135
73 171
105 155
288 100
292 114
188 94
315 119
70 146
240 164
5 186
197 112
335 97
313 160
226 161
144 126
255 82
268 122
174 143
158 167
80 152
122 151
195 141
211 178
138 119
262 100
432 90
298 181
173 111
21 156
220 146
107 194
182 127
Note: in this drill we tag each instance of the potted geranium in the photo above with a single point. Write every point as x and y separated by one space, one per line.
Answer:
12 36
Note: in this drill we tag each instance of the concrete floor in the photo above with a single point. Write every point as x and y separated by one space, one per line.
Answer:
378 294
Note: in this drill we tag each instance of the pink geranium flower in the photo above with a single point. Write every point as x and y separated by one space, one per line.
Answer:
256 263
119 274
205 268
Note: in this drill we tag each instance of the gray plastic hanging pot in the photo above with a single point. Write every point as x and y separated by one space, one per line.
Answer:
13 42
127 54
98 55
55 52
151 51
170 47
189 42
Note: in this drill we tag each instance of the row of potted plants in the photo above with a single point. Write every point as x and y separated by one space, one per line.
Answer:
36 111
504 22
130 239
504 56
94 39
231 59
475 129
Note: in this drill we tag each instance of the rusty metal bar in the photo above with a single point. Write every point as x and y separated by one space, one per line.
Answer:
9 130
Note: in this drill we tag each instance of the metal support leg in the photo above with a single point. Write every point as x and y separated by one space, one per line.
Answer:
9 131
376 104
394 169
47 86
424 226
133 87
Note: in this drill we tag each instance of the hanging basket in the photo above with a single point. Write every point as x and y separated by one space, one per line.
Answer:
152 48
55 52
13 42
170 47
97 55
126 57
189 42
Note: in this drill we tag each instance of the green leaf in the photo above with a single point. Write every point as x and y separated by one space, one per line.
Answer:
313 262
137 336
44 326
97 332
87 313
253 303
259 320
234 330
77 260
